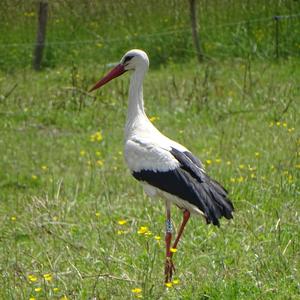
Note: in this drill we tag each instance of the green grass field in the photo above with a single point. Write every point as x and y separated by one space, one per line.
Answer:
85 32
74 224
71 215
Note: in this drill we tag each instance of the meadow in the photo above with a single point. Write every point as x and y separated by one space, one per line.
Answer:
97 31
75 224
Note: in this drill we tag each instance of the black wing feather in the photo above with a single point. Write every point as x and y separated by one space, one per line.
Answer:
191 184
219 195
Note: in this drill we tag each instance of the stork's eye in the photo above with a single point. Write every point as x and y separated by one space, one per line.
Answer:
128 58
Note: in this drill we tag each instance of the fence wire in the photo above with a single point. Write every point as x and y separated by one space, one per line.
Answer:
170 31
257 36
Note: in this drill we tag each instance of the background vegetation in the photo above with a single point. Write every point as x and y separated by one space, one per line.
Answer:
74 224
98 31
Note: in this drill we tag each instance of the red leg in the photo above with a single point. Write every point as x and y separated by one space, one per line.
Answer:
186 216
169 267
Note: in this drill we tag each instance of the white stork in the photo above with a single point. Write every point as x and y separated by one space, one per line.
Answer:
165 168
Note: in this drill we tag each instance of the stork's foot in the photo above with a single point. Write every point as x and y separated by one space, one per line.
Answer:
169 269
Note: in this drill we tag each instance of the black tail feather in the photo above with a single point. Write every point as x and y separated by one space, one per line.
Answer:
212 197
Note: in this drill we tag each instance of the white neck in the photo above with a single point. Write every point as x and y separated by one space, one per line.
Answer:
135 102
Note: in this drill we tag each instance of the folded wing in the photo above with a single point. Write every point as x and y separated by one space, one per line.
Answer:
181 174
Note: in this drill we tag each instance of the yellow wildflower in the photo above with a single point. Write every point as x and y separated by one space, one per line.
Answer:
31 298
252 175
278 123
97 214
119 232
98 153
55 289
153 119
228 162
291 129
33 177
241 166
38 289
47 277
136 290
13 218
64 297
208 161
32 278
29 14
173 250
168 284
143 230
257 154
122 222
240 179
100 163
284 124
82 153
232 179
218 160
157 237
176 281
251 168
99 137
44 167
271 124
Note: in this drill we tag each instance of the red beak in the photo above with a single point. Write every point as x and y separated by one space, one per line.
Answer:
115 72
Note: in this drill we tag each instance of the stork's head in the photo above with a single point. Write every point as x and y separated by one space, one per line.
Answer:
132 60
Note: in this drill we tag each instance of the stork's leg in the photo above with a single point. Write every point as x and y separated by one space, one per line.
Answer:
186 216
169 267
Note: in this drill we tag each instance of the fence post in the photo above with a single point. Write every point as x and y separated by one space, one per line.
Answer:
276 19
41 34
193 15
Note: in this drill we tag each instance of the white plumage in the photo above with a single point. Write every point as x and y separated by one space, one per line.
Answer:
164 167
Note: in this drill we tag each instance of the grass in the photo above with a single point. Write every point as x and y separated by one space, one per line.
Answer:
64 186
98 31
